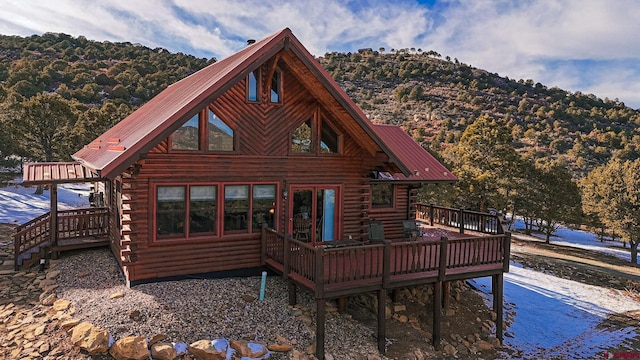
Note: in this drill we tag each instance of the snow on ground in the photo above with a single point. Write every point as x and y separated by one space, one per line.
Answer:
549 316
580 239
19 204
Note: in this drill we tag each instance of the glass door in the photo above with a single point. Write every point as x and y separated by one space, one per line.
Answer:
314 213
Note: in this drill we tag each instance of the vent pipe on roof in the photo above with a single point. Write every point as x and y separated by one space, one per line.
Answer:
251 41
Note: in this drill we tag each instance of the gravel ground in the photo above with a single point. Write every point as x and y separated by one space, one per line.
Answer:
195 309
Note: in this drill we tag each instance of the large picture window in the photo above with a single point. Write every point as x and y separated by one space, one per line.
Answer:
186 211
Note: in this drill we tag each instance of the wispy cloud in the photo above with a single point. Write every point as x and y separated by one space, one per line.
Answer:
590 46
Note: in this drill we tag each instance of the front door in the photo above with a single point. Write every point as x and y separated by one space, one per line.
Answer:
314 212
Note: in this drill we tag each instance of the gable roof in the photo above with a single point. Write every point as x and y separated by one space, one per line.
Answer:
424 167
130 139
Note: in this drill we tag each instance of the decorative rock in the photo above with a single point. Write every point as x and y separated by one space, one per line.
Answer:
116 295
69 324
399 307
92 339
163 351
450 312
450 350
134 315
248 298
280 347
47 299
130 348
403 318
205 350
249 349
53 274
483 345
83 274
156 339
61 305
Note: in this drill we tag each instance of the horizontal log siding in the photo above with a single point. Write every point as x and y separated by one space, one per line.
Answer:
262 155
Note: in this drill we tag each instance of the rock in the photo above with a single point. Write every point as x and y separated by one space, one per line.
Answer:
295 312
116 295
450 312
163 351
47 299
92 339
52 274
61 305
205 350
134 315
450 350
249 349
69 324
493 341
373 357
311 349
419 355
130 348
403 318
399 307
280 347
156 339
248 298
483 345
83 274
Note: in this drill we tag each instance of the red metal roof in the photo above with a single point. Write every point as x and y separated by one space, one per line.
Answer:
56 172
126 142
423 166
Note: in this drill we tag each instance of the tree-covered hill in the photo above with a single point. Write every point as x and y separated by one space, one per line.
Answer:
435 99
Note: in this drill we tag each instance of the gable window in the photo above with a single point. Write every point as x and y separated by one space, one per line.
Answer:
328 139
301 137
382 195
220 134
276 87
253 82
205 131
187 137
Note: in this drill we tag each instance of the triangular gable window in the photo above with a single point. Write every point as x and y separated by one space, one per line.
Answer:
205 131
187 137
220 134
329 139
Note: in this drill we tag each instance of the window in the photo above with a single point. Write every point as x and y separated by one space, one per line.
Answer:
276 87
170 211
205 131
264 206
382 195
187 137
220 134
236 208
328 139
191 211
301 137
202 209
253 82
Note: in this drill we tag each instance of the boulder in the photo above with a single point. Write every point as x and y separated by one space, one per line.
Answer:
249 349
47 299
61 305
130 348
157 338
206 350
163 351
280 347
92 339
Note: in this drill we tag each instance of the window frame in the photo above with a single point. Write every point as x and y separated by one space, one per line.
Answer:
257 74
203 135
279 85
317 119
219 233
384 205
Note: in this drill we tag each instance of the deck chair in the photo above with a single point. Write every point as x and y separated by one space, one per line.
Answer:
411 230
301 228
375 233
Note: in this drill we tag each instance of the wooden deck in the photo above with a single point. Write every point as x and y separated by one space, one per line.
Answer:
445 253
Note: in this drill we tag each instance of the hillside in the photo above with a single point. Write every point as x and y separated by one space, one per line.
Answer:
432 98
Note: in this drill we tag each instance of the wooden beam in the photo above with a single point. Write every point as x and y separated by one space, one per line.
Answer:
498 300
437 309
382 320
320 319
292 293
53 192
446 292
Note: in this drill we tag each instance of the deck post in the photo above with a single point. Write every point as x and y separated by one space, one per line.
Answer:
498 298
319 275
507 251
263 245
461 220
293 299
53 192
386 264
431 214
382 320
446 291
286 253
320 318
437 312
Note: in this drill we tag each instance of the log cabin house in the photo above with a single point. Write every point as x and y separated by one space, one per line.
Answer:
262 159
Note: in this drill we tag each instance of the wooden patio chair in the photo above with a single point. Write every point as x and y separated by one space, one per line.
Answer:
375 233
301 227
411 230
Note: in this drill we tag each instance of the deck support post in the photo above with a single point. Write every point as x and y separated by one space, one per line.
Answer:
437 312
320 319
382 320
342 304
53 192
431 214
461 220
498 301
446 293
292 293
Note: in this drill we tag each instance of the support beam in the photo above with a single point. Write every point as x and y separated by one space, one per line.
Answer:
53 192
382 320
498 301
320 319
437 311
292 292
342 304
446 294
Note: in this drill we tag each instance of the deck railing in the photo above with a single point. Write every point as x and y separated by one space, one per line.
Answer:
460 218
72 224
331 272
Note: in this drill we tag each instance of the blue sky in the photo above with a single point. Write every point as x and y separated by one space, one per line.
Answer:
590 46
